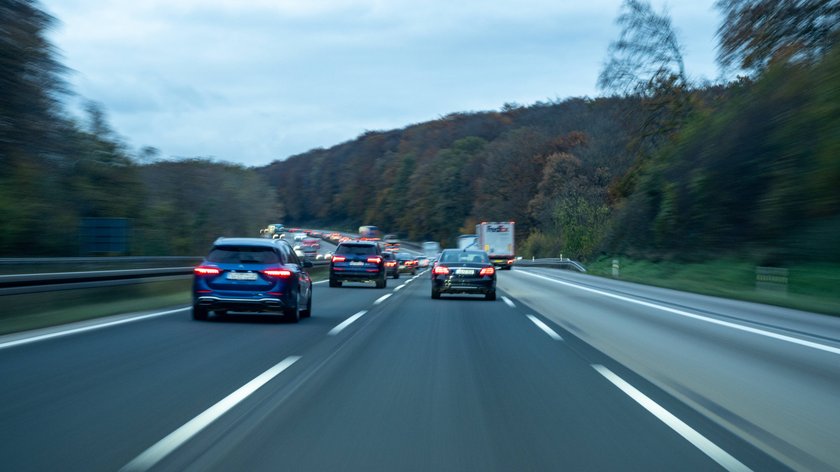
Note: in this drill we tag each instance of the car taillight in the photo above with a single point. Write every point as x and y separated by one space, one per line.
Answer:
206 270
390 264
487 271
339 259
374 260
440 270
281 273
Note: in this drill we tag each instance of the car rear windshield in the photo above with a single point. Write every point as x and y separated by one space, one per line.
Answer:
243 255
356 249
465 256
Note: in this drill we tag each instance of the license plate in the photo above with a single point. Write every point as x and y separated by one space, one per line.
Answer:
357 263
464 271
242 276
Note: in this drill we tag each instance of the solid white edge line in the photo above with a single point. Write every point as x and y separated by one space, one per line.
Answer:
382 299
346 323
760 332
545 328
175 439
698 440
508 301
83 329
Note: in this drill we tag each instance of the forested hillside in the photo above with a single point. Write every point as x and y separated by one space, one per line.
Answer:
547 167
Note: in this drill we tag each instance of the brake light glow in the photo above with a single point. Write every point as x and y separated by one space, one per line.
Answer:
281 273
390 263
374 260
206 270
339 259
487 271
440 270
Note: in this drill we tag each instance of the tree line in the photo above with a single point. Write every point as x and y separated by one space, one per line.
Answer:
661 166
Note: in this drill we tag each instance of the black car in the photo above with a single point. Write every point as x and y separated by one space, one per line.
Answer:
391 265
252 275
462 271
406 263
357 261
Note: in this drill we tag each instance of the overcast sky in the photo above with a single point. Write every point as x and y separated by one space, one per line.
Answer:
253 81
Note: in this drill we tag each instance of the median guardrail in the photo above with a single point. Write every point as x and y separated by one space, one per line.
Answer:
23 283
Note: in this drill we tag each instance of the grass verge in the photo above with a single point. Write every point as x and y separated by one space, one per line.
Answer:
811 287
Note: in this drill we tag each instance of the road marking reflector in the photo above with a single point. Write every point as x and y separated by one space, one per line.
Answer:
698 440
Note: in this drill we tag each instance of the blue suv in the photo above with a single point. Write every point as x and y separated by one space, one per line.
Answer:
358 261
252 275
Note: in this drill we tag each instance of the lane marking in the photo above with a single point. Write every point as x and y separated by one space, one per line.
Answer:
698 440
508 301
346 323
545 328
382 299
760 332
320 282
398 287
175 439
83 329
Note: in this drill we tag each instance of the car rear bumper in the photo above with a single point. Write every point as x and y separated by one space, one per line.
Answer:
263 304
356 276
464 286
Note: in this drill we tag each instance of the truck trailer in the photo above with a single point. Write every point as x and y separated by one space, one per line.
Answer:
497 240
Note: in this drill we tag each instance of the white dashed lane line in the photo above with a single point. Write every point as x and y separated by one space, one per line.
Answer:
382 298
175 439
545 328
346 323
508 302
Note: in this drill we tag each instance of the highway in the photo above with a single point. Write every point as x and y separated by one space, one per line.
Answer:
564 372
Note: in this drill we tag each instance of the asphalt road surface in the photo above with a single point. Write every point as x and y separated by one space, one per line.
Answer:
563 372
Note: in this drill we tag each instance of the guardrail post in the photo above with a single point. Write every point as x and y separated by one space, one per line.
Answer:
615 268
771 279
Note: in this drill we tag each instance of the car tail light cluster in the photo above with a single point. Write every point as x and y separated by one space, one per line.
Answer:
206 270
487 271
339 258
374 259
440 270
390 263
278 273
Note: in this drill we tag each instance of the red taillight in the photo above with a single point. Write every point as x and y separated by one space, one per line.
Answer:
374 260
487 271
390 263
282 273
440 270
339 259
206 270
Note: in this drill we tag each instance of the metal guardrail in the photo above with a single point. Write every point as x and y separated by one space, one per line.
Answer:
15 284
556 262
36 283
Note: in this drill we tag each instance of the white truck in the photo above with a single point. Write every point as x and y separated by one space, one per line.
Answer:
497 240
467 241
